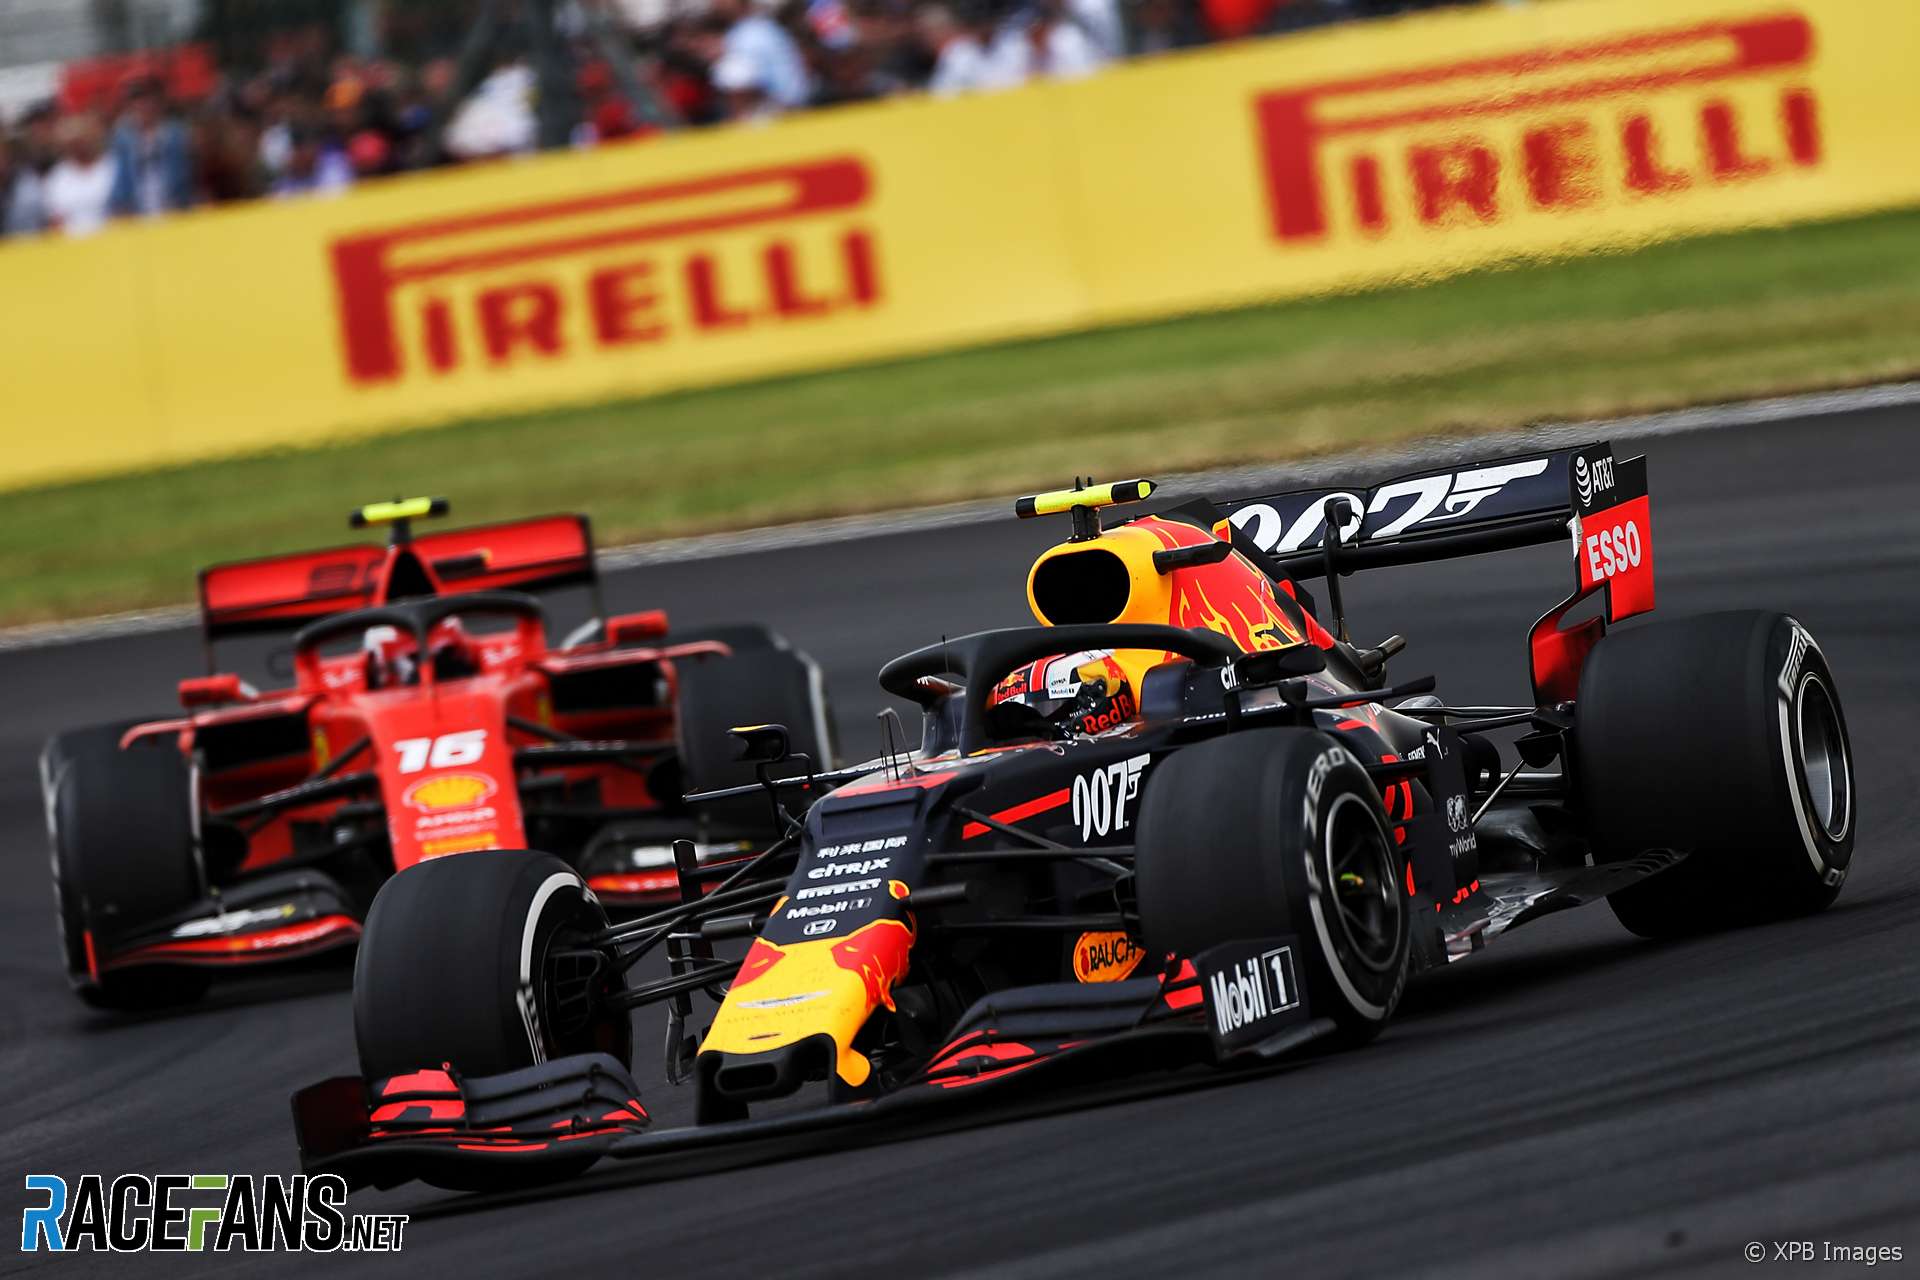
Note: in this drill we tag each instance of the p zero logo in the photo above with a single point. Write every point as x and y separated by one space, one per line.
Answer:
1550 130
622 270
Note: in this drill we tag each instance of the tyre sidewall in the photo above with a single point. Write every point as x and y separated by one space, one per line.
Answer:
1798 670
1232 844
1331 786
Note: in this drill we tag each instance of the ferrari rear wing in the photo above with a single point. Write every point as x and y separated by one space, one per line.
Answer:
284 592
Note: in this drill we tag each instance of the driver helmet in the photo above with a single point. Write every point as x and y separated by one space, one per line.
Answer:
453 652
1085 692
391 661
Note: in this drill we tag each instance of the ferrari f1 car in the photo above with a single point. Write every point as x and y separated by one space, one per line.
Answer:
1185 819
427 716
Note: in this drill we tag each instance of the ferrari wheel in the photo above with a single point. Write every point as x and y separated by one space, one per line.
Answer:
1722 736
485 962
120 833
1278 831
764 682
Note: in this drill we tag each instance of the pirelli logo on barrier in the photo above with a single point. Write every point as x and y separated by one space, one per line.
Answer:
1357 155
728 256
1451 146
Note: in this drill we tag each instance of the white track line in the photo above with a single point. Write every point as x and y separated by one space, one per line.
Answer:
1272 476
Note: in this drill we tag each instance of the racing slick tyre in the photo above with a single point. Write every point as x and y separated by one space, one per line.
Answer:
120 833
484 961
764 682
1278 831
1721 735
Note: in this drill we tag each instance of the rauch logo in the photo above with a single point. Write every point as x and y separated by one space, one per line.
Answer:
506 284
1434 143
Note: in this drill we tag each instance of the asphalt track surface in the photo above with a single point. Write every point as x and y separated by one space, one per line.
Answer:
1573 1101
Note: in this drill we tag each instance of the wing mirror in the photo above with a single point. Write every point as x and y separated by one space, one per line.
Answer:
764 746
633 628
1270 666
214 691
762 743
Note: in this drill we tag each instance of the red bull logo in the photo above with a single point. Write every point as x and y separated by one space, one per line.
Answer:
623 269
878 953
1470 143
1229 596
760 957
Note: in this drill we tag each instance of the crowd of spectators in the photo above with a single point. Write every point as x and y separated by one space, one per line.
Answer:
309 118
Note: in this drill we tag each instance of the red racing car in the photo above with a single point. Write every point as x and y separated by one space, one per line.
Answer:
427 716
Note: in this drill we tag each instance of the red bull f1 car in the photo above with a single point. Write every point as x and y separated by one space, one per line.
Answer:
1184 820
427 716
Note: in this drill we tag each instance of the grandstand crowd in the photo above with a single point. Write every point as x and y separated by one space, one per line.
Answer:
296 115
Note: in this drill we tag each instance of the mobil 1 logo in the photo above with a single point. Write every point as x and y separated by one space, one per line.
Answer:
1252 991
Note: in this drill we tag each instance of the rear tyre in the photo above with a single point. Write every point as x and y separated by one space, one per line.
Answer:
764 682
120 835
1722 735
481 961
1278 831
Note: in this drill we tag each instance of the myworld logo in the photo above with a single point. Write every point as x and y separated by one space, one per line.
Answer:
182 1212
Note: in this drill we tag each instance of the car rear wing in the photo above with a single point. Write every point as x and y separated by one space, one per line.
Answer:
1584 494
1518 501
1429 515
283 592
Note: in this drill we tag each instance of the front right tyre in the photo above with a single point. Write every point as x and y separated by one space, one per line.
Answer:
765 681
120 831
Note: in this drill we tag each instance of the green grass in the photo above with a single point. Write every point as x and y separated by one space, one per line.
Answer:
1682 323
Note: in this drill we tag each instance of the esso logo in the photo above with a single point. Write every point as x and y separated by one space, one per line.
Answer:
1613 551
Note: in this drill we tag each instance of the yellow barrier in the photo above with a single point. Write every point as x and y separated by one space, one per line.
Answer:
1353 156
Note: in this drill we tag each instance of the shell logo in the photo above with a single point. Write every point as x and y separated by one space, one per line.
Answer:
449 791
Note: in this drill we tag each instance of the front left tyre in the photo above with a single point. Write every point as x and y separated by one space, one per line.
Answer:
1275 831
